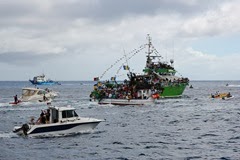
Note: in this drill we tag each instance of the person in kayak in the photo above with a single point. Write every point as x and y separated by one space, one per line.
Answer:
15 99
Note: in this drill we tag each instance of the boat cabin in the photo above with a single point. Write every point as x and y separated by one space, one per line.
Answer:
26 92
62 114
40 78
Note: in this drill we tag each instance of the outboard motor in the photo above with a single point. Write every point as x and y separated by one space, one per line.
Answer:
25 128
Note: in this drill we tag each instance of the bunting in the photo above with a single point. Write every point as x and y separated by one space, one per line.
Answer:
126 67
96 79
113 78
132 53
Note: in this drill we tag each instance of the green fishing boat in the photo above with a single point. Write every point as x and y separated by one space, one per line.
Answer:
158 80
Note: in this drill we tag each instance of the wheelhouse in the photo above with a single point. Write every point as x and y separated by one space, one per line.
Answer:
62 114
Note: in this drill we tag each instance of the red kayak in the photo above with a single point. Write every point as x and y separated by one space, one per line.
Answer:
15 102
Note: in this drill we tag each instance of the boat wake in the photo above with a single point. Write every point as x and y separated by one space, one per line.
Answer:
61 135
232 85
8 135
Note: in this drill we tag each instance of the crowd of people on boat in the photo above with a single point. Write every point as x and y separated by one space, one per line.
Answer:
124 90
130 89
158 65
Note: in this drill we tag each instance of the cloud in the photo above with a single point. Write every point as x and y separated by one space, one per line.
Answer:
204 66
83 33
219 21
25 59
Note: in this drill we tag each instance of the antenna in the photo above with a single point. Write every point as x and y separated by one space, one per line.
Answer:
172 60
173 49
126 60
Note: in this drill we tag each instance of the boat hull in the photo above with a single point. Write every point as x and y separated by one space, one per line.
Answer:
124 102
44 83
173 91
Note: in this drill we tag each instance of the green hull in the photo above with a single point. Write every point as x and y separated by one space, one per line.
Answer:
173 90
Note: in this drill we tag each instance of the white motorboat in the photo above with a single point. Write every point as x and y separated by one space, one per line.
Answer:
227 97
62 121
37 95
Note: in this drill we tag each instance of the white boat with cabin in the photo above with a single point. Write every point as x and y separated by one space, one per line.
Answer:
37 95
62 121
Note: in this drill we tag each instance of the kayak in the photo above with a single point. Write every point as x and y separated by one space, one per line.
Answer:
14 103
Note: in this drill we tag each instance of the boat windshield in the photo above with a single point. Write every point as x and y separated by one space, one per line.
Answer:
41 92
69 114
27 92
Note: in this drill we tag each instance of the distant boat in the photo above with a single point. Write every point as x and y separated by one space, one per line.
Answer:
224 96
41 80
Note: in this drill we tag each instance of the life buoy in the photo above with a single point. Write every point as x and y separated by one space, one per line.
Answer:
155 96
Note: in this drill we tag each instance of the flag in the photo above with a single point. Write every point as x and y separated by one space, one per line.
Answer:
126 67
96 79
113 78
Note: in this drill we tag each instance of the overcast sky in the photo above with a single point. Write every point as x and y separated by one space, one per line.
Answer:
80 39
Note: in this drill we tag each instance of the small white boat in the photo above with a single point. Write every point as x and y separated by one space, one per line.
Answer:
227 98
62 121
37 95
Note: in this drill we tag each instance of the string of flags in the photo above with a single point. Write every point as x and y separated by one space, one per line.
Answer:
125 67
113 78
96 78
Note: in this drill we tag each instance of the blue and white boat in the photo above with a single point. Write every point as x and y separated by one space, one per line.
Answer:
62 121
41 80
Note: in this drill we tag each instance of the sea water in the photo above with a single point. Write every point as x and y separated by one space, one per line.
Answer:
192 127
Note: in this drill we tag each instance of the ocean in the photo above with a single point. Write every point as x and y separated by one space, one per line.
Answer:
191 127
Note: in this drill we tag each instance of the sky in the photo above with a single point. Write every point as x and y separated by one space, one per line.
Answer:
79 39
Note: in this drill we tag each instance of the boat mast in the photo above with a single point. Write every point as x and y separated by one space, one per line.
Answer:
149 61
149 45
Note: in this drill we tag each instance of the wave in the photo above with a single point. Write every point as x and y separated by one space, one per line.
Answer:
8 135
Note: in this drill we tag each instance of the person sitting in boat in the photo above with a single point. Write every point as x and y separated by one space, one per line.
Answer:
47 116
229 95
129 96
15 99
47 90
32 121
44 98
42 118
212 95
